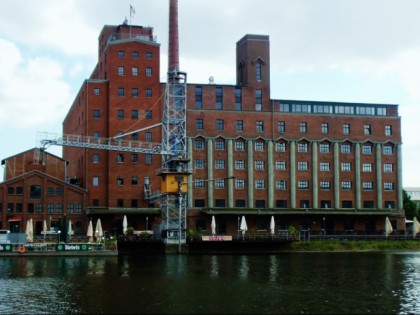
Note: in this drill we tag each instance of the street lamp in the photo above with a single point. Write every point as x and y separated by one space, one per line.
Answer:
59 234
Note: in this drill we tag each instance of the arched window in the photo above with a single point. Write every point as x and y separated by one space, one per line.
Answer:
258 71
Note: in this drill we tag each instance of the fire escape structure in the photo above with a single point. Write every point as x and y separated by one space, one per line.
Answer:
174 169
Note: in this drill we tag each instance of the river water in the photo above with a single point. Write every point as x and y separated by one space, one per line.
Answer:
291 283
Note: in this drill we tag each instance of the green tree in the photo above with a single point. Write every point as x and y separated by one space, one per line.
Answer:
409 206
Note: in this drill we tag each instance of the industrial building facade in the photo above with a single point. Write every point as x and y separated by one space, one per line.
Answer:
321 166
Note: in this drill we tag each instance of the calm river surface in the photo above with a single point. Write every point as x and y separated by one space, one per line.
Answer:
292 283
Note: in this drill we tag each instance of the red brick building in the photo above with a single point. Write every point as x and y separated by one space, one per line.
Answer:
319 166
35 187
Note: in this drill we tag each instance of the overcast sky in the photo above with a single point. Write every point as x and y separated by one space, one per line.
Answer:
324 50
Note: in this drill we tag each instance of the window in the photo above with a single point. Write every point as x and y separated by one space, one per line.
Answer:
326 185
324 128
95 135
148 136
238 98
367 130
388 130
149 114
219 98
387 149
121 54
302 147
199 144
303 184
134 71
219 203
366 149
134 158
303 127
135 92
35 191
96 113
260 126
367 186
219 183
281 203
302 166
258 71
239 125
96 91
58 208
345 148
219 164
19 190
280 146
135 54
120 203
199 164
346 166
347 204
219 124
259 165
239 183
10 190
281 185
281 126
199 183
367 167
120 158
258 100
346 129
304 203
120 92
50 208
148 93
220 144
134 180
199 203
324 166
368 204
240 203
134 114
148 72
239 164
198 97
260 184
259 146
281 165
199 124
120 180
324 148
260 203
95 181
149 55
120 114
346 185
120 71
388 186
148 159
239 146
388 168
70 208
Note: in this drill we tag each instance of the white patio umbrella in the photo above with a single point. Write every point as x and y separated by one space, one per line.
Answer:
388 227
213 225
69 232
90 231
98 231
416 227
44 229
272 225
29 231
243 227
125 224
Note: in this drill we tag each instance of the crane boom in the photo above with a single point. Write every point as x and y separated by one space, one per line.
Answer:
90 142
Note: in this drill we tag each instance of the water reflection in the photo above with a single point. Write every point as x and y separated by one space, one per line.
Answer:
322 283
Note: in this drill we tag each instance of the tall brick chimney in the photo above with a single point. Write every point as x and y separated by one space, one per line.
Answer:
173 51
